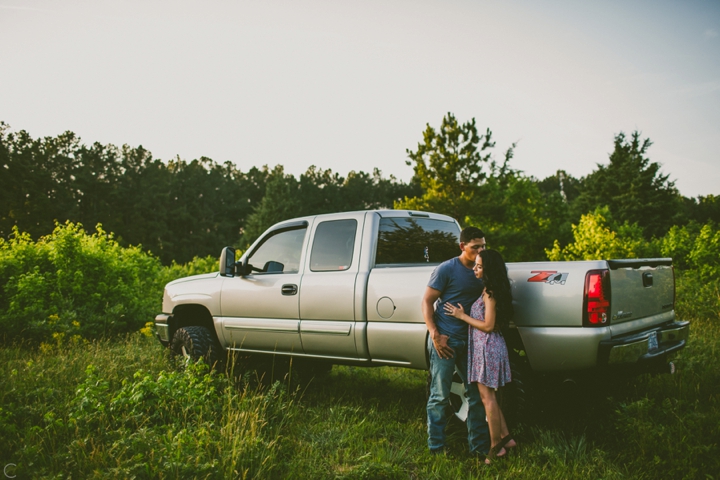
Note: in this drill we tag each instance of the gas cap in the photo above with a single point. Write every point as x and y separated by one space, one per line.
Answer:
385 307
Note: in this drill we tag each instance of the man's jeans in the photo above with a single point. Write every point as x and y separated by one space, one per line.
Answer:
438 405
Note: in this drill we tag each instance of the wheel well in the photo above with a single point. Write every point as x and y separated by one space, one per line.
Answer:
513 339
192 315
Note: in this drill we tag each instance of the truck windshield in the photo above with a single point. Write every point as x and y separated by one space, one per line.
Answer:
416 241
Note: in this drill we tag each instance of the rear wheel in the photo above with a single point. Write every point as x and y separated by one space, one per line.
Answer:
194 343
518 400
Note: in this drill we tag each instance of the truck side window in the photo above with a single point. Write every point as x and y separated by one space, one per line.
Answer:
333 246
279 252
416 241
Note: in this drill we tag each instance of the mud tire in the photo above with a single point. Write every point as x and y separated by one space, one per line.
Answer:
194 343
518 398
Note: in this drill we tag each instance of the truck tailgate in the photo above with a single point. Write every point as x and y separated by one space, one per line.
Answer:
640 289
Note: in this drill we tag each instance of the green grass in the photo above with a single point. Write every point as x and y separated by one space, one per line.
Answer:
123 409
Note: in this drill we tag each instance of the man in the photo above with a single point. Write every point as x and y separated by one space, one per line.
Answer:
453 281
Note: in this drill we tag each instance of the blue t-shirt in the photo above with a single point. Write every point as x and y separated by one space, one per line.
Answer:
457 284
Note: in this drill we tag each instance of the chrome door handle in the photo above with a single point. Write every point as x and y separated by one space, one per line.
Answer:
289 289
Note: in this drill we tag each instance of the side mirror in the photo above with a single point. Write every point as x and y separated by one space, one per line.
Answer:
227 262
243 269
273 267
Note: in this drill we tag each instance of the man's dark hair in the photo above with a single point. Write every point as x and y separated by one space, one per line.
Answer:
470 233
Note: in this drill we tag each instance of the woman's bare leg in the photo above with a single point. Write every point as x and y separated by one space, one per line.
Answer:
496 419
494 415
504 430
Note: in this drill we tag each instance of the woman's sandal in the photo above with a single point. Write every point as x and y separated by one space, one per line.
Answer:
494 454
505 442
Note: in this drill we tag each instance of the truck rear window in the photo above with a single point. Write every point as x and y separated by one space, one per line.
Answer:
333 246
416 241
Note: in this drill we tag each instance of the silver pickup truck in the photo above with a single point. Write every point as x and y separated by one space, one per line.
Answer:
346 288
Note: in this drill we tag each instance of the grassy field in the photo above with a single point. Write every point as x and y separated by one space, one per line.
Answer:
124 409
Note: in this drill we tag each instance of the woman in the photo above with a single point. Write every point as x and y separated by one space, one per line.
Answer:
488 363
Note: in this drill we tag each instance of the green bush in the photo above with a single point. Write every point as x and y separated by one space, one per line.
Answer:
596 237
695 247
196 266
695 250
695 297
70 285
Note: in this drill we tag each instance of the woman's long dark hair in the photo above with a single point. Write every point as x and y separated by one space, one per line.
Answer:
497 286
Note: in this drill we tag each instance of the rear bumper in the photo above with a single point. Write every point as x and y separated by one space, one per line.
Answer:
555 350
646 348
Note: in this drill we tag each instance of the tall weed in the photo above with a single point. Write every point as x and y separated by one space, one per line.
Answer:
670 425
135 418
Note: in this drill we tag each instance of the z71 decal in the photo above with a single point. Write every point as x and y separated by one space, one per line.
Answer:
548 276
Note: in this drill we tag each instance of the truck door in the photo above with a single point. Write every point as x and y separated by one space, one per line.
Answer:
261 310
327 293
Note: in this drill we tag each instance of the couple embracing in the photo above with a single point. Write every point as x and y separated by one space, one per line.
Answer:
473 297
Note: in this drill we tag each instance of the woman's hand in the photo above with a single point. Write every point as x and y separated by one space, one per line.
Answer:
453 311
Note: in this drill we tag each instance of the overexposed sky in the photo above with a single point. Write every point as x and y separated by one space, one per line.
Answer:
350 85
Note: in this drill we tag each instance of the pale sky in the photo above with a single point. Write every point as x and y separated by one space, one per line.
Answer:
350 85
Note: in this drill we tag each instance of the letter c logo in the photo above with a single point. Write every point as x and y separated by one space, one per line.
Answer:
5 470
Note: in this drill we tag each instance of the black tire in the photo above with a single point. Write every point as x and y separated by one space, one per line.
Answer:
518 400
195 343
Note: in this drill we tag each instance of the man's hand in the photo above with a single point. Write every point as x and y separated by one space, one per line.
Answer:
439 341
441 345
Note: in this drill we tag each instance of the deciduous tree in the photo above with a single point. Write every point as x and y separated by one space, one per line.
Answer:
597 237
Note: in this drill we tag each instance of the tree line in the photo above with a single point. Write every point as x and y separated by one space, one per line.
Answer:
523 216
178 209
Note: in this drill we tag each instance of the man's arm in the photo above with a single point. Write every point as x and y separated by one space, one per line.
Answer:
439 341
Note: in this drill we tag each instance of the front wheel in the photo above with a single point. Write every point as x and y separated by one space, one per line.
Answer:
194 343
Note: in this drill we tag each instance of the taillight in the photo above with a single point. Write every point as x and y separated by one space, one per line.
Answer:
597 299
674 285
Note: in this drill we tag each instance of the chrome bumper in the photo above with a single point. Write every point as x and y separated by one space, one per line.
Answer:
646 346
162 327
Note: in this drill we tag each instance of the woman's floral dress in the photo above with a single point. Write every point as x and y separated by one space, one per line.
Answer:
488 361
